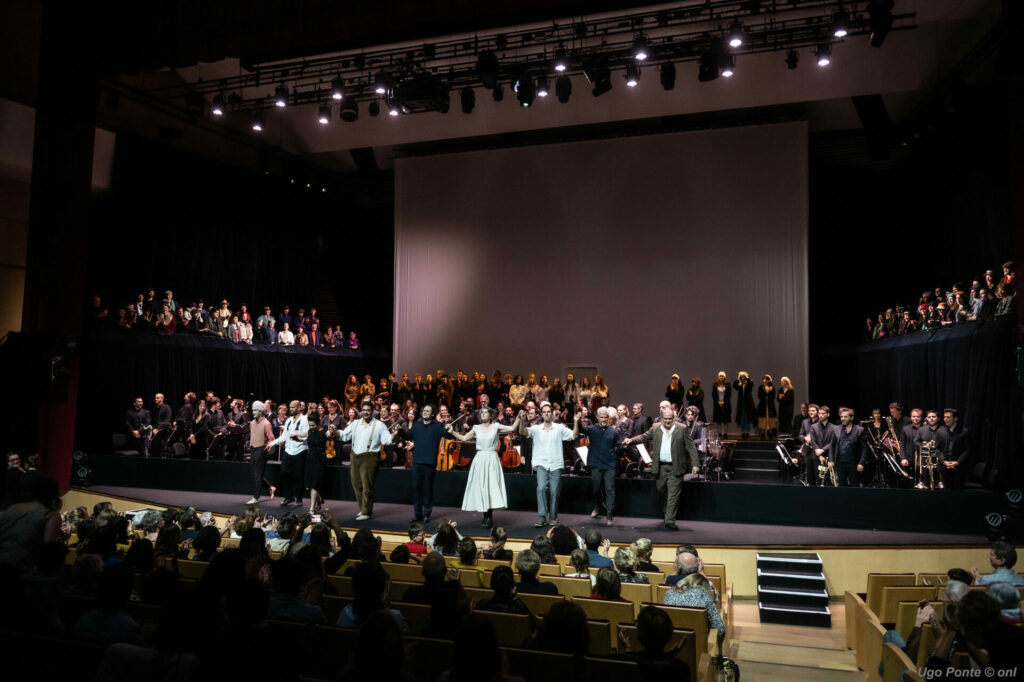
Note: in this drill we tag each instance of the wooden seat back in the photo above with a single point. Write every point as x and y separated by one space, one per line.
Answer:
932 579
536 665
615 612
637 593
611 670
491 564
894 662
513 629
343 584
687 654
540 604
601 636
409 573
893 595
430 657
873 634
862 619
470 577
550 569
333 607
695 620
415 615
851 601
571 587
398 589
906 614
878 581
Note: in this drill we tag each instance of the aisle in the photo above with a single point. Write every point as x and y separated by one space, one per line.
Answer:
788 653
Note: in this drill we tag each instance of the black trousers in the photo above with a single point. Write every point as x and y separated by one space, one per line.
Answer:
293 474
846 474
604 489
258 459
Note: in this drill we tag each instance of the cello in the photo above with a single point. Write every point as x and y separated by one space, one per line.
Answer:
510 457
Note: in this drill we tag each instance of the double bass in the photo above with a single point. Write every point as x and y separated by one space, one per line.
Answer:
510 457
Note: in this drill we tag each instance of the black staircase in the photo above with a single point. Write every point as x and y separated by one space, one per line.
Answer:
756 461
791 590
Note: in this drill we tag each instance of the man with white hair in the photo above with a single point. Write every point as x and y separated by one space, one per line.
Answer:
260 435
672 455
605 444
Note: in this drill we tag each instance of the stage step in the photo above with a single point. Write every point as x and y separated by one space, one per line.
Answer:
791 589
782 614
759 474
792 596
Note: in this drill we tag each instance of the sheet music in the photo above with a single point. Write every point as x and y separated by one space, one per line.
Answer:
643 453
519 449
582 451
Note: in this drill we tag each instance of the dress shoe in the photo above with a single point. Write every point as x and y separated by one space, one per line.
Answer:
671 525
541 522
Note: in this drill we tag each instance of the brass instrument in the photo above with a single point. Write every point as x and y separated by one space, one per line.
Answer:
895 439
926 460
827 475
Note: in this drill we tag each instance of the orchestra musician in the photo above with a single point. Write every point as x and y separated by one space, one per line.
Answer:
140 426
908 433
822 439
161 422
954 457
810 461
332 423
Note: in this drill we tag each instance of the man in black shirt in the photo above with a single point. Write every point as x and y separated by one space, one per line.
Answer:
848 455
140 427
161 424
954 457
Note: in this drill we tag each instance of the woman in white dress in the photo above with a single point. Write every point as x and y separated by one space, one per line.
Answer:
485 487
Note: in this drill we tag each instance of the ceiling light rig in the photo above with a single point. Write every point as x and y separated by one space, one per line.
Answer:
420 80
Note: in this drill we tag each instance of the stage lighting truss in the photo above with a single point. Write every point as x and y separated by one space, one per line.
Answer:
419 80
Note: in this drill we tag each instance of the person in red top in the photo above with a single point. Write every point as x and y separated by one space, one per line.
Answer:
608 586
417 539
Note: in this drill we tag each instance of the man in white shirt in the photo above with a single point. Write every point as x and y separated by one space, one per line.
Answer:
547 461
672 454
293 461
367 436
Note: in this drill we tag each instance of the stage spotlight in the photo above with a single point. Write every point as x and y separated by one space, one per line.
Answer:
632 75
728 64
792 59
281 96
526 91
841 23
382 83
324 117
498 93
374 108
487 69
218 107
258 122
735 34
563 89
879 20
640 49
338 88
668 75
543 87
598 74
708 68
349 110
561 62
823 54
468 97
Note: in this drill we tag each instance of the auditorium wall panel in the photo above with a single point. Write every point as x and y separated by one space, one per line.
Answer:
642 256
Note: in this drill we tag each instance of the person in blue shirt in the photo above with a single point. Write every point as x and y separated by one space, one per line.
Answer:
1003 557
597 549
605 444
425 435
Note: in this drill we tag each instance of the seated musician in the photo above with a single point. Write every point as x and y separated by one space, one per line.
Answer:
140 427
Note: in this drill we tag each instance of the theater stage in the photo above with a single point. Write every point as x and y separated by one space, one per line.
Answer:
724 514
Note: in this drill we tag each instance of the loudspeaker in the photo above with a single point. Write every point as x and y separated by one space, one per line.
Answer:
81 470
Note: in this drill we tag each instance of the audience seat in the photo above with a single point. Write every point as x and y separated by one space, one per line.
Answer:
906 614
549 569
416 615
601 635
695 620
638 593
878 581
611 670
687 654
932 579
410 573
343 584
893 595
333 607
540 604
398 589
491 564
192 569
476 594
513 629
539 666
571 587
615 612
430 657
895 662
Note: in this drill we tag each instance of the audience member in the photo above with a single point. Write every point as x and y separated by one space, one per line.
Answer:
109 622
695 590
1003 557
654 631
579 559
478 657
564 630
528 564
371 589
626 564
594 542
608 586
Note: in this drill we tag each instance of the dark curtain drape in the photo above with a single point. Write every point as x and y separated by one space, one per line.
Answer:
969 367
115 370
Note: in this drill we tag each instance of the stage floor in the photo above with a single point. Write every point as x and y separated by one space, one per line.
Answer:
519 524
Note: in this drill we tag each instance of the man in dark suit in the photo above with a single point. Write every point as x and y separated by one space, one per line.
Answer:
848 456
810 461
957 451
908 435
641 422
162 423
140 426
672 455
822 439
